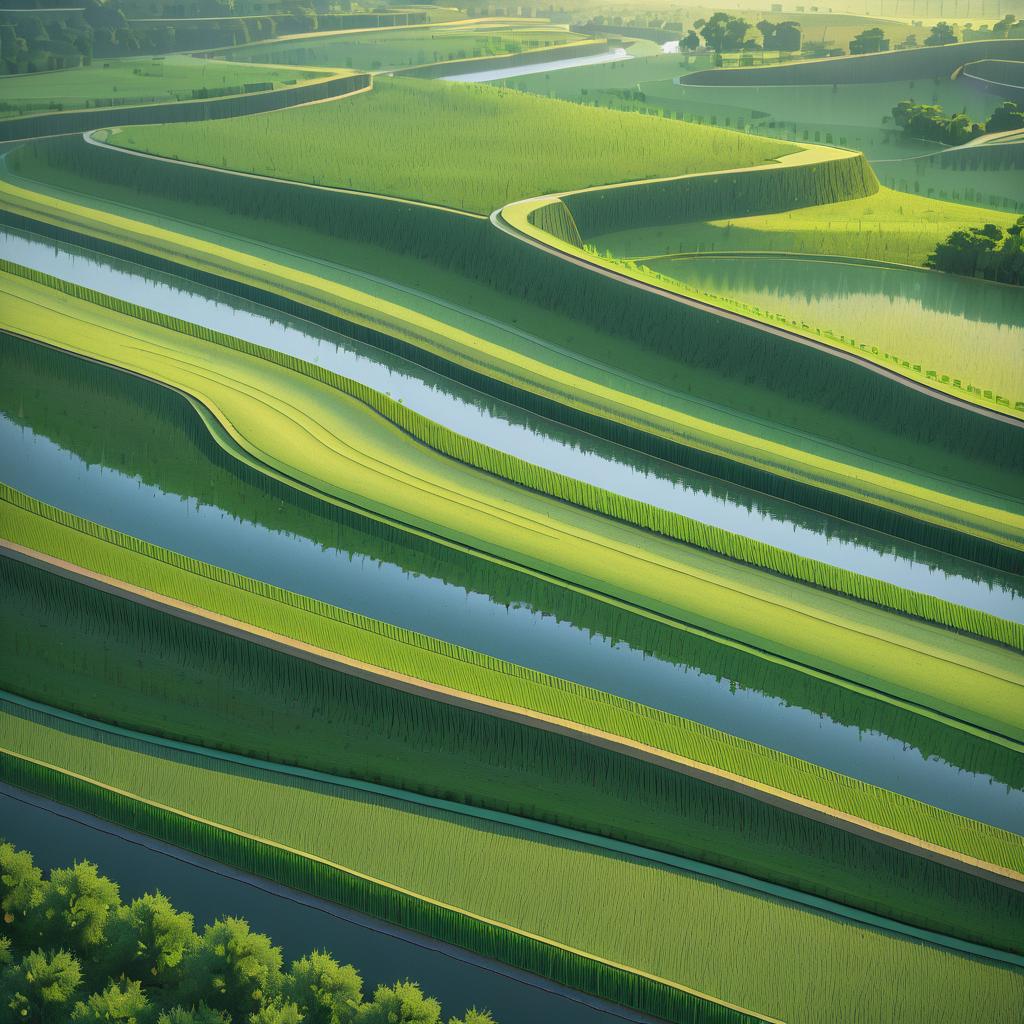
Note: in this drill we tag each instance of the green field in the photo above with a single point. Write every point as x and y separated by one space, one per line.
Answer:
387 142
388 50
814 959
453 311
134 81
308 432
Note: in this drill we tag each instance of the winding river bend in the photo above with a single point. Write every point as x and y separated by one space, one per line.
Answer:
135 457
704 498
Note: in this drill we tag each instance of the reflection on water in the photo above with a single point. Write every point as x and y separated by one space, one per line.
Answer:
128 454
970 329
563 449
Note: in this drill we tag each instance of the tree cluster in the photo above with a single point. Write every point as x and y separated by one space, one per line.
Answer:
71 950
925 121
987 252
871 40
724 33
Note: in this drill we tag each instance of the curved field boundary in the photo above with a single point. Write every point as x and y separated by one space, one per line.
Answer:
971 528
500 61
998 874
339 884
21 129
865 68
566 488
523 220
599 842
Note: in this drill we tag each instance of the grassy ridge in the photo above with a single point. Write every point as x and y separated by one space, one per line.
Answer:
161 442
557 485
61 535
684 350
447 858
811 178
74 122
386 142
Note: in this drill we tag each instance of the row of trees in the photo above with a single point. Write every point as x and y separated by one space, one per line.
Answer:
726 33
926 121
70 950
987 252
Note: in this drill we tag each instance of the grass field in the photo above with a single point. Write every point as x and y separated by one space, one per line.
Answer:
134 81
455 317
387 142
383 51
308 432
559 890
889 226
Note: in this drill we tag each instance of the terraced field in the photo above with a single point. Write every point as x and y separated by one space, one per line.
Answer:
576 545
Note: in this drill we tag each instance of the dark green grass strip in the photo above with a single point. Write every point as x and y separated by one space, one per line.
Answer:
637 513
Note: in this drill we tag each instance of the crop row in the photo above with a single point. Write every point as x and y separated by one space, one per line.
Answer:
75 121
558 485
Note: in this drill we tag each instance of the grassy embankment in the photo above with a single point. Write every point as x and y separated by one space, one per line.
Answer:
402 48
444 857
317 144
296 426
663 215
161 442
131 81
524 288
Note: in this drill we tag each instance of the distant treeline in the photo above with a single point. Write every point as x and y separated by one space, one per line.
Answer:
986 252
71 950
48 40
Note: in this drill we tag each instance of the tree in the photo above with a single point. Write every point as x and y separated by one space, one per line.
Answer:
123 1002
716 32
871 40
41 987
148 939
277 1012
1006 118
329 993
788 37
473 1016
941 35
690 42
75 905
21 884
200 1014
232 968
404 1003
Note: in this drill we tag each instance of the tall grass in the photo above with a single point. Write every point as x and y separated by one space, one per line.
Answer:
395 141
43 528
203 110
608 905
631 434
557 485
160 440
736 366
729 194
